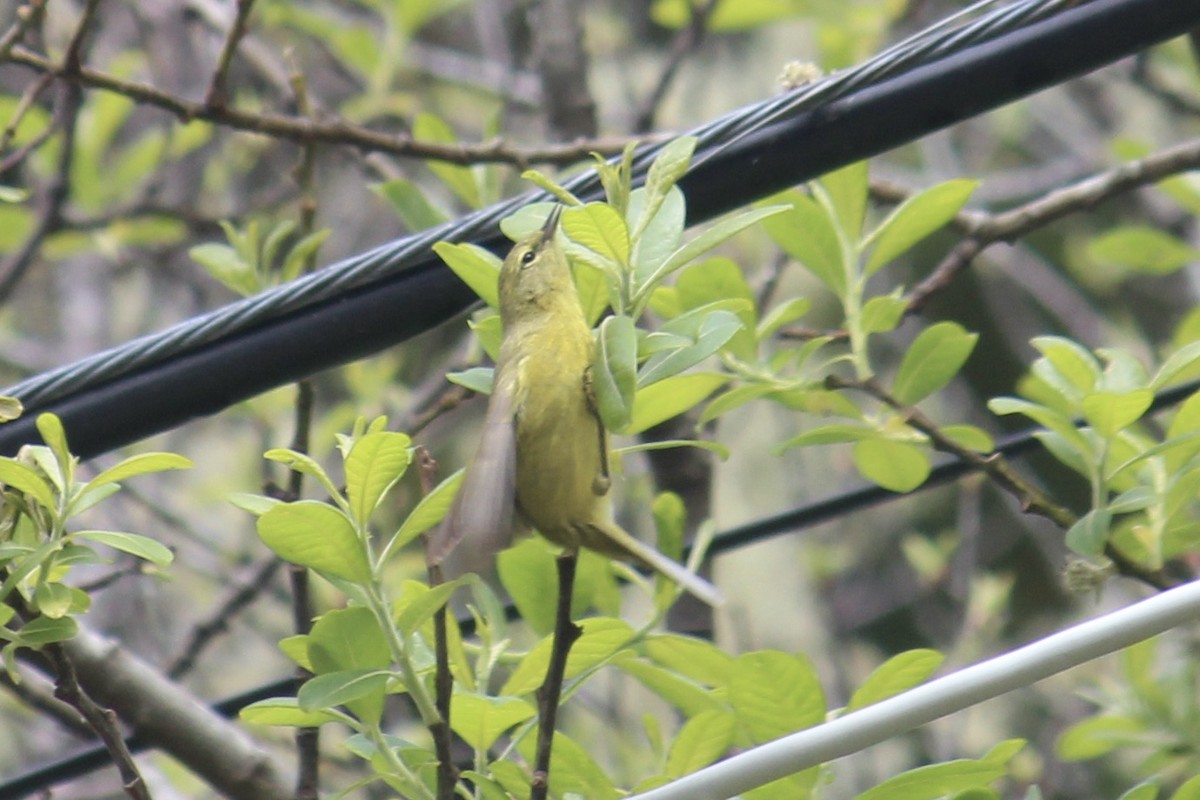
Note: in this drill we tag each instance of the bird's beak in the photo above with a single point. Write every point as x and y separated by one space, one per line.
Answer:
552 222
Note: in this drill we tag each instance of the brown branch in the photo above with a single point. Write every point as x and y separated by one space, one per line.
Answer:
336 132
443 685
101 720
217 623
217 94
688 39
48 705
985 230
550 692
27 15
557 30
1033 499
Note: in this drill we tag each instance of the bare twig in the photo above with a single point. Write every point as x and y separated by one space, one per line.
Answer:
27 15
101 720
549 693
557 29
685 42
1032 499
336 132
447 773
217 623
987 229
217 94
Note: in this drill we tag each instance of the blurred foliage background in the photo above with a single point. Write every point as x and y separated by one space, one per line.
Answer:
107 193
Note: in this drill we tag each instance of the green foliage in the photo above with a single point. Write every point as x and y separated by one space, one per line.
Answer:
1150 714
1142 479
252 262
42 498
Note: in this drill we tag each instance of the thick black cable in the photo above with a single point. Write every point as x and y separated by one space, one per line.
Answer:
364 320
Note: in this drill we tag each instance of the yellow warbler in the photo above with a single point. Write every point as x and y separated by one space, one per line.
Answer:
543 453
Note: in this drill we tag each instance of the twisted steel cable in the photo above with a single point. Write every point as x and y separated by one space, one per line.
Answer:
963 30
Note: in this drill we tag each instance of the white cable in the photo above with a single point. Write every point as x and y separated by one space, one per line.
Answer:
967 687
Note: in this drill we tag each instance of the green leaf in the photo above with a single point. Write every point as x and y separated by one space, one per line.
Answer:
897 466
305 465
936 780
348 639
575 772
598 227
256 504
527 573
720 450
477 379
832 433
668 167
139 465
883 313
461 180
1146 790
1090 532
970 437
317 536
614 376
661 235
602 638
479 269
718 328
671 397
45 630
480 719
702 740
27 480
807 233
846 191
1109 412
410 203
340 688
226 265
52 599
283 711
55 437
730 16
429 511
10 408
1181 361
782 314
1072 363
774 694
141 546
684 694
1142 248
698 659
1099 735
375 463
737 396
709 238
721 280
898 674
419 602
916 218
1047 417
932 361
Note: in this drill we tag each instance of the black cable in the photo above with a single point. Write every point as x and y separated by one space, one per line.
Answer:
367 319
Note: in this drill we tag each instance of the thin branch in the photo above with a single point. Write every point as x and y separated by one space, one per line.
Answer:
447 773
49 706
549 693
217 94
685 42
335 132
241 598
27 15
101 720
1031 497
987 229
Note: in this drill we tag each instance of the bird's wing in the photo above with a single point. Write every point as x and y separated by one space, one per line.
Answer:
482 513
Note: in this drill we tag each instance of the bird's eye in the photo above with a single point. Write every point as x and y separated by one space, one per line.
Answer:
527 258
